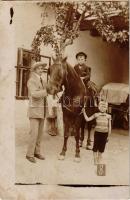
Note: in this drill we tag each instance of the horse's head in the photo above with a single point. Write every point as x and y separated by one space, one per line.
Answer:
57 73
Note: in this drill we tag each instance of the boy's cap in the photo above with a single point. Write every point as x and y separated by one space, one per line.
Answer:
37 64
81 54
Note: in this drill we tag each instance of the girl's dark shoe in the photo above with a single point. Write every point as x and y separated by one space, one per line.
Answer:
31 159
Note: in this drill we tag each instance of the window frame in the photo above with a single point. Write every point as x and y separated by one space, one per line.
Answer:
20 67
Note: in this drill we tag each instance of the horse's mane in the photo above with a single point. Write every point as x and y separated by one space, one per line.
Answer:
71 70
73 79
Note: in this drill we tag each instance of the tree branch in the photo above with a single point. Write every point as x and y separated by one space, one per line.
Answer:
75 29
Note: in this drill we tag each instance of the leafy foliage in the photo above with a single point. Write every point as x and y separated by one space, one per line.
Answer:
68 17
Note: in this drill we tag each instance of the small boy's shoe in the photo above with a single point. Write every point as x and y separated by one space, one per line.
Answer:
39 156
88 147
31 159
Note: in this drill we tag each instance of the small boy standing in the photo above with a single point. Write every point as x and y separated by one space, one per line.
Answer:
102 130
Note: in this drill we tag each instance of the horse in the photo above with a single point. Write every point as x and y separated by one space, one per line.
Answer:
72 101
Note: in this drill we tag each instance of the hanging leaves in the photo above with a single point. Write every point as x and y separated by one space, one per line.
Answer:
68 17
104 23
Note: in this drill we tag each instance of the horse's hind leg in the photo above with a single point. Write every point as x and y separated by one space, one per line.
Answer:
77 154
64 149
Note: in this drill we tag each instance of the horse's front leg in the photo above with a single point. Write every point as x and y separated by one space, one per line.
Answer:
82 131
64 149
77 153
88 146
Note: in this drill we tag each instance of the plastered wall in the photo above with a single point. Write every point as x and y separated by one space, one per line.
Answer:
109 63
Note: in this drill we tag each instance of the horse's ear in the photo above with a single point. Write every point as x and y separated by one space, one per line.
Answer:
64 59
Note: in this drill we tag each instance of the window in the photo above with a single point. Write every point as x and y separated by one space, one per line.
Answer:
24 62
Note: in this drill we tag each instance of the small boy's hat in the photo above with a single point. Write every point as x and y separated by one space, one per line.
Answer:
81 54
37 64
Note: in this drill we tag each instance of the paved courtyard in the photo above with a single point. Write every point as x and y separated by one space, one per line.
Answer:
54 171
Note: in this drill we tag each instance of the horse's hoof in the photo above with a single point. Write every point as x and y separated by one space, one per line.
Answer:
61 157
88 147
77 159
80 144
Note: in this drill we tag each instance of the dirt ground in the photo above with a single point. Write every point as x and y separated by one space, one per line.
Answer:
53 171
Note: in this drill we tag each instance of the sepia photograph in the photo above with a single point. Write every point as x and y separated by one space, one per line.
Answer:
70 93
84 48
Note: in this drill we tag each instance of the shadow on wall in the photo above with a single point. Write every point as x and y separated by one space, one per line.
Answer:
109 63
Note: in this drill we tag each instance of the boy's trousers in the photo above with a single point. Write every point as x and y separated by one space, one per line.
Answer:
36 133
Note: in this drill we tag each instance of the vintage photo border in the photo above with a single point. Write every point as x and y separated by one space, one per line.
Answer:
8 189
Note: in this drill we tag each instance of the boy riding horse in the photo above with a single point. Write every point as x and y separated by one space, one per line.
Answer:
85 72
